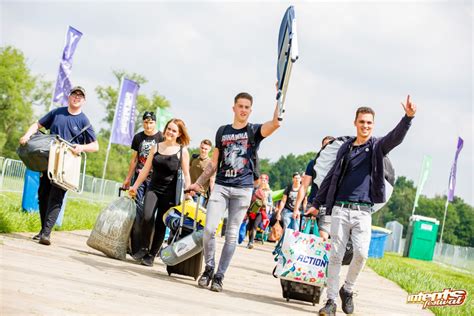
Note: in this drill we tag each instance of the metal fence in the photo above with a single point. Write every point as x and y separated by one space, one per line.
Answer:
456 256
460 257
13 173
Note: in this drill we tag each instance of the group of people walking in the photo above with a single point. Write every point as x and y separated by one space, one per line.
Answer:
227 178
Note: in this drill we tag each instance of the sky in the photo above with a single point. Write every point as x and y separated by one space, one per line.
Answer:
199 55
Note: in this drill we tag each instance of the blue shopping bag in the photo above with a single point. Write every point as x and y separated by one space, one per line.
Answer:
242 231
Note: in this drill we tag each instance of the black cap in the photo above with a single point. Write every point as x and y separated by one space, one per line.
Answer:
149 115
78 88
295 174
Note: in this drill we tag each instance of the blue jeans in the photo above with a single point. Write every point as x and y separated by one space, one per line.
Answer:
286 216
236 201
202 201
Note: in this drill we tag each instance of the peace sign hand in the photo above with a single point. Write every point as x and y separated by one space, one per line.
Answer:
410 108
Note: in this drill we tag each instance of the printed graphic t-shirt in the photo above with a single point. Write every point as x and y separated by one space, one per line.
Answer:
60 122
236 169
291 194
142 144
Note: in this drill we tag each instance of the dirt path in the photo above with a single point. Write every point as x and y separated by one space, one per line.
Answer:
68 277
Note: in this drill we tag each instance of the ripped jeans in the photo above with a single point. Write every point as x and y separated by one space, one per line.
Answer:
237 201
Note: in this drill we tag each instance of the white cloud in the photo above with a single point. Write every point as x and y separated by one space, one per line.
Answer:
199 55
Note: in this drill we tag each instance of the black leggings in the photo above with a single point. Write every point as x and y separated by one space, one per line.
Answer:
154 201
253 225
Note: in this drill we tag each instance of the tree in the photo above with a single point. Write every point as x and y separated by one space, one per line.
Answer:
108 96
282 170
119 156
19 90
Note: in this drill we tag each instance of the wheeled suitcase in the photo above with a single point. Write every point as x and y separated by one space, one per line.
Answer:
191 266
300 291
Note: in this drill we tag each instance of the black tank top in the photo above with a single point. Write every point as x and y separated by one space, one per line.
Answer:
165 169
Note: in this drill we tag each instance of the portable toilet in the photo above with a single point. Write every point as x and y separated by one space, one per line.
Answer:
421 237
394 240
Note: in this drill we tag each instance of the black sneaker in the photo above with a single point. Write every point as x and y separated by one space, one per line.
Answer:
206 277
329 309
138 256
250 245
36 237
216 285
148 260
44 240
347 303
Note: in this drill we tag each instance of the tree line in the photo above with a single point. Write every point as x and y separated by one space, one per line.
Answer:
20 90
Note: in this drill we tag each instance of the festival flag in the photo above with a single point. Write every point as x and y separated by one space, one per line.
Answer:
63 84
425 171
162 117
123 127
452 174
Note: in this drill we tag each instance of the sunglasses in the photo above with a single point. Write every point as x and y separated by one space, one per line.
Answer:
77 94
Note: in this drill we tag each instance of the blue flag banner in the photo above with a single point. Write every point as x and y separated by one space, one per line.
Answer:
123 127
63 84
452 175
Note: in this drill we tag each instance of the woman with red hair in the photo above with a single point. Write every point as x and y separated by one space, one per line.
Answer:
165 158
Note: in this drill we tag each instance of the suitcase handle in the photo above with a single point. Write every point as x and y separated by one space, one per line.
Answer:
198 201
120 190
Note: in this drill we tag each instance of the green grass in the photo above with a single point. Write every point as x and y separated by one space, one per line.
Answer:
416 276
79 214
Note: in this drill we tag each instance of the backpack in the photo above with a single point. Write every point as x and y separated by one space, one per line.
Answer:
193 156
254 160
327 156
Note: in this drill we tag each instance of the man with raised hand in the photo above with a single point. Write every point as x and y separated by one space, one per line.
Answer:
350 189
235 162
67 122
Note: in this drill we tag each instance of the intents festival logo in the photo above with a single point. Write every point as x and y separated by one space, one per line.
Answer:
448 297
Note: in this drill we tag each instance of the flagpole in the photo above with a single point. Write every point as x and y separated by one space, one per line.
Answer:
52 97
420 178
444 219
425 168
110 137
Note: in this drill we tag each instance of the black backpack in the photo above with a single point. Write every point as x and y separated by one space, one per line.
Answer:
251 138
